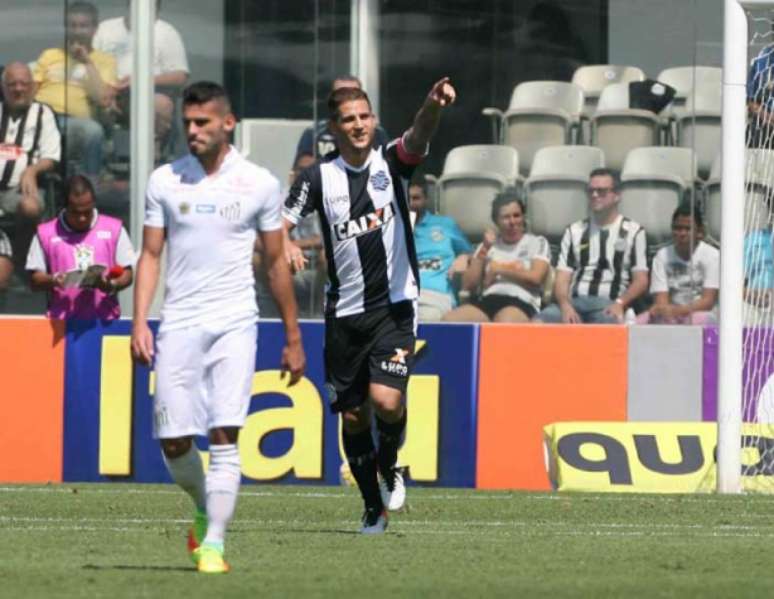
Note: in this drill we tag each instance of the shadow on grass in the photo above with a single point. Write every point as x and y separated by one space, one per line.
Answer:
141 568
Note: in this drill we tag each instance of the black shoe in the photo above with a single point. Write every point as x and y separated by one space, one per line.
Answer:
374 521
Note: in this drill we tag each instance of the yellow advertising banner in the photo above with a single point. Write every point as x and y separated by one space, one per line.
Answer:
651 457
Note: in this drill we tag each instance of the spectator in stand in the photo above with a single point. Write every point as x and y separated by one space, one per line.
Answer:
77 82
685 276
305 249
30 144
602 266
443 252
170 68
509 267
758 274
318 141
78 238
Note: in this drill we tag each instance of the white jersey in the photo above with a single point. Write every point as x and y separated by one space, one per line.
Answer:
211 226
112 37
685 280
529 247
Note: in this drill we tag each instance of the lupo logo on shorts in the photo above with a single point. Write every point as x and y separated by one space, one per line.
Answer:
397 364
380 181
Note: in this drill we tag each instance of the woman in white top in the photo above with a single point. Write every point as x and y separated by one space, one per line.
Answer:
508 267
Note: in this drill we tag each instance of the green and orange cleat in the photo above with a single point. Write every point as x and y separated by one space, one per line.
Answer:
209 560
196 534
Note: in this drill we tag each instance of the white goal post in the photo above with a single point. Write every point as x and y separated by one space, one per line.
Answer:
740 217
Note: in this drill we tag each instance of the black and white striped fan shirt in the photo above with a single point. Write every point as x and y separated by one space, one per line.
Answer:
602 258
366 231
25 140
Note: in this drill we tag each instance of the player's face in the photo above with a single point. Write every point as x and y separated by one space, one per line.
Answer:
18 87
354 129
602 196
417 200
510 222
685 235
207 127
80 210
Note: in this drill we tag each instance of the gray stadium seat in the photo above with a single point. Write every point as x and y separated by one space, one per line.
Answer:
270 143
616 128
472 176
712 200
556 188
653 183
759 175
593 78
688 79
698 127
540 114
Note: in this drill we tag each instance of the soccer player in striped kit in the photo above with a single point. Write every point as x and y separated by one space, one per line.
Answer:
361 197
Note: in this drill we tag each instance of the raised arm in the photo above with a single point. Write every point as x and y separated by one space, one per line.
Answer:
427 118
148 267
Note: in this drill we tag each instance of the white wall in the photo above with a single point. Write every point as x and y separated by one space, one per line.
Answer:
656 34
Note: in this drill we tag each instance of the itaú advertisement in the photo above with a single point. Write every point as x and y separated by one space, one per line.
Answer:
651 457
289 435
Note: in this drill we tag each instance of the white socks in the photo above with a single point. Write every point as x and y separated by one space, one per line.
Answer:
223 480
187 471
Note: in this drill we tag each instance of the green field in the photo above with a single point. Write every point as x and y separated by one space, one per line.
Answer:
117 540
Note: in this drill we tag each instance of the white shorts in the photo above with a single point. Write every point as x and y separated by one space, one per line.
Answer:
204 379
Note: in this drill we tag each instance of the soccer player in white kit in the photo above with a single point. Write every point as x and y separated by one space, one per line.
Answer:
206 206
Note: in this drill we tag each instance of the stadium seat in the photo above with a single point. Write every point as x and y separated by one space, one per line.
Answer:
556 188
698 127
540 114
759 177
593 78
689 79
270 143
712 200
653 183
616 128
472 176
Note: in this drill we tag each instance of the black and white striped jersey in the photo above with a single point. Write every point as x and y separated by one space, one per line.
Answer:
25 139
602 259
366 231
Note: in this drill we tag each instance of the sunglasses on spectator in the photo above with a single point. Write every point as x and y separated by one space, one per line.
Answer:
598 191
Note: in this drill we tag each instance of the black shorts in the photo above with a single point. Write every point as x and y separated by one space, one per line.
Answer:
373 347
492 304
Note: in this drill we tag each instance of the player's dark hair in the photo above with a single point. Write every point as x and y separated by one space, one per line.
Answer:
607 172
84 8
690 210
502 199
344 94
202 92
77 184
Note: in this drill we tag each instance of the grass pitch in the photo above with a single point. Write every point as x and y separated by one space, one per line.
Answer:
118 540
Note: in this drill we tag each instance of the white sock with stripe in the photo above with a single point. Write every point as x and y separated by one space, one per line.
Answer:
223 480
187 471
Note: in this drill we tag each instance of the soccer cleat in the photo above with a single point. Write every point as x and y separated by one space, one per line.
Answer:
393 488
196 534
374 521
209 560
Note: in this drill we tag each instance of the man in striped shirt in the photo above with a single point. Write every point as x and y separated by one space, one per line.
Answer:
6 264
602 264
29 143
360 195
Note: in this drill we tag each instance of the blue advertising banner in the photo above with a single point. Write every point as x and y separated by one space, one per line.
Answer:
289 436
